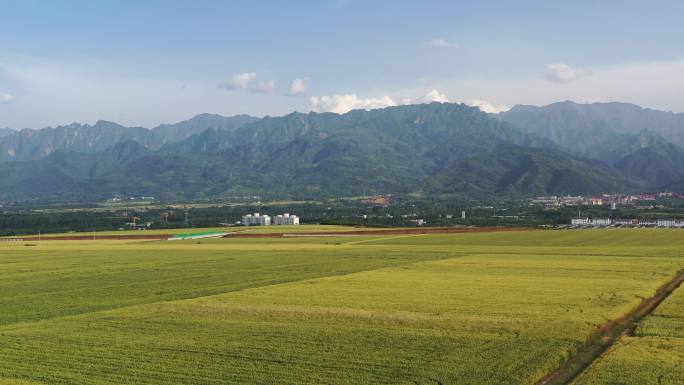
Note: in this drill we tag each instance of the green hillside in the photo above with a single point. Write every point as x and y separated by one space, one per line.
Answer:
520 171
426 148
606 131
660 165
393 150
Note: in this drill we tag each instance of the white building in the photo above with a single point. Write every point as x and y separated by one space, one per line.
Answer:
591 222
286 219
596 201
601 222
666 223
256 220
580 221
626 222
547 201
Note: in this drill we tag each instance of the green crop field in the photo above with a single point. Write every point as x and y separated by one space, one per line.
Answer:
482 308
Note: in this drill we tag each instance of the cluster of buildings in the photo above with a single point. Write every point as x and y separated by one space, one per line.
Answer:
138 226
257 219
133 198
608 222
612 200
620 199
559 201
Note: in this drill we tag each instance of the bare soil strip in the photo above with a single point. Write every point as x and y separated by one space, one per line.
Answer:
604 337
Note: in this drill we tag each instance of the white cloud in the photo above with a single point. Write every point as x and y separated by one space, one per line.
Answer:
87 91
434 96
341 104
6 98
563 73
298 87
265 86
655 84
344 103
430 97
592 99
487 107
248 81
239 81
443 43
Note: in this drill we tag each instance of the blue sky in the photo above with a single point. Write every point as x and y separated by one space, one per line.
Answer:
148 62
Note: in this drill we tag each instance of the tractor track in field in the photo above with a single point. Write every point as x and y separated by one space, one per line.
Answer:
608 334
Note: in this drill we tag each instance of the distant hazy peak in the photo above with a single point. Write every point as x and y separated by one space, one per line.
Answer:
173 132
595 106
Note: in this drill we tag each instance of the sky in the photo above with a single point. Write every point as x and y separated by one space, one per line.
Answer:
142 63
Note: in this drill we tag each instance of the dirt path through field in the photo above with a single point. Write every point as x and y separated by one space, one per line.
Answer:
603 338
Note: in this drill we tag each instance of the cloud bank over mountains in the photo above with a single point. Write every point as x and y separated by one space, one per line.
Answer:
89 91
341 104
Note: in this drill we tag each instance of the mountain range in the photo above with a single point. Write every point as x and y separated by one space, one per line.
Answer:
433 149
28 144
606 131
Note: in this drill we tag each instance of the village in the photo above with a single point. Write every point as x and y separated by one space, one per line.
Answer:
586 222
638 201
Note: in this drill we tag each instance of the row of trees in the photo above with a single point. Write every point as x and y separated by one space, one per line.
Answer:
403 213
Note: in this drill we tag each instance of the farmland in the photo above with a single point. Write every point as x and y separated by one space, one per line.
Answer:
258 230
480 308
653 355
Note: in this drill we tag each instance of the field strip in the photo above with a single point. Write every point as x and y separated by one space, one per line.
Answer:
380 232
599 342
269 283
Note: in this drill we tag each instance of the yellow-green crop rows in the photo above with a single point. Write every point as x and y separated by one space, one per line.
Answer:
488 308
654 355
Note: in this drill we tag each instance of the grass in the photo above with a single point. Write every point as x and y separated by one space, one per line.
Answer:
489 308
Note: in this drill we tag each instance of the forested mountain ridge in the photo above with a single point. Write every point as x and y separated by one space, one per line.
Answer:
524 171
29 144
436 148
607 131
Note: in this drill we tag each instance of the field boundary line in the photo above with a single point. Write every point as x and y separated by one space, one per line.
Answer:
599 342
20 324
384 239
385 231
